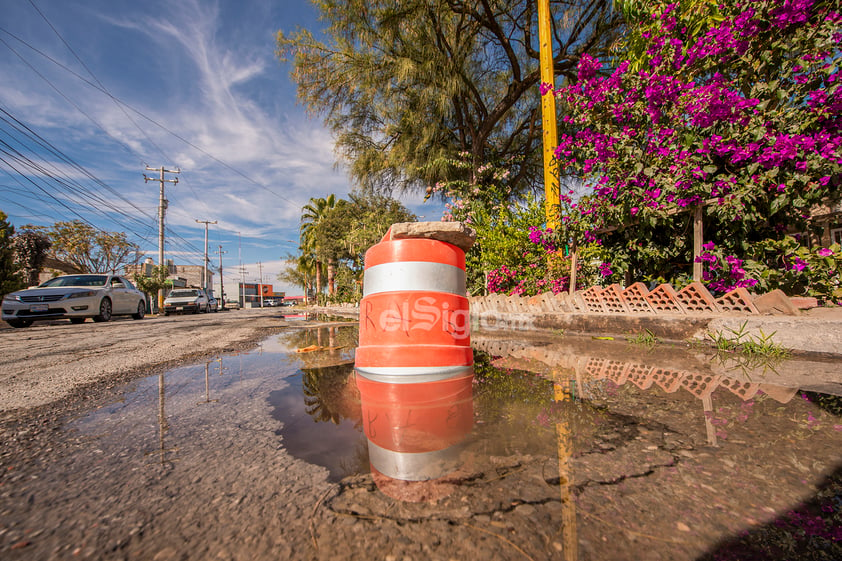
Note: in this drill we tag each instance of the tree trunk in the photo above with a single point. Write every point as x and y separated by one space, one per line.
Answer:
318 281
331 277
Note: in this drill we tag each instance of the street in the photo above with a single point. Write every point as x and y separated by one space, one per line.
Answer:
51 360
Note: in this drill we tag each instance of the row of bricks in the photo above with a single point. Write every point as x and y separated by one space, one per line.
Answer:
644 376
692 299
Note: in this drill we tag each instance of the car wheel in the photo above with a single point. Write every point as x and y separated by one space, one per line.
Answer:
77 320
18 323
104 311
141 310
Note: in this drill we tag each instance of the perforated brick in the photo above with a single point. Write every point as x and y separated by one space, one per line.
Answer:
736 301
695 299
617 371
513 304
804 302
577 302
562 303
595 368
493 303
544 355
775 302
667 380
593 300
745 390
780 394
664 300
640 375
635 298
493 348
612 300
546 299
535 304
700 385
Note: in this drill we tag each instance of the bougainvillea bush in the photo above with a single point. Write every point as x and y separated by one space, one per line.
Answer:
740 116
504 258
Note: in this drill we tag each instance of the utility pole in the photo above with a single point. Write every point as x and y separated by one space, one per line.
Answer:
243 284
550 138
221 287
260 282
205 269
162 211
242 271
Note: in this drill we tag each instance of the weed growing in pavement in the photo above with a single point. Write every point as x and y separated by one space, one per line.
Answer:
752 346
646 339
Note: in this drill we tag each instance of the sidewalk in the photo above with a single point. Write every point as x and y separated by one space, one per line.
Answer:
815 331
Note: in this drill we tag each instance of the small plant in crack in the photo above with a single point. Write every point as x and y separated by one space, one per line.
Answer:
645 339
741 341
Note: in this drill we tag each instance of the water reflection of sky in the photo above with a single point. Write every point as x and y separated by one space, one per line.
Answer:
593 448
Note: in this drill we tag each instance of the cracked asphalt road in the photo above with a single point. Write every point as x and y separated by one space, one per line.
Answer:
50 361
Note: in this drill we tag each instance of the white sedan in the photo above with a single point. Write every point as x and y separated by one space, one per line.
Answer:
76 297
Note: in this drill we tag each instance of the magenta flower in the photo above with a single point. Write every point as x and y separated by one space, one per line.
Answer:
798 264
825 252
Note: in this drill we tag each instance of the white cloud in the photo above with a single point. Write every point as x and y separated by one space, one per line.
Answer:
199 78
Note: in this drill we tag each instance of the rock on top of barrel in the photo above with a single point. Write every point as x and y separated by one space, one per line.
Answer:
456 233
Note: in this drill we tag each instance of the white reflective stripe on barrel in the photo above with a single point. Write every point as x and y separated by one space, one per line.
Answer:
412 374
414 466
414 275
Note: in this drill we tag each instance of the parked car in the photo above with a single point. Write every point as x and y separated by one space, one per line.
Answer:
213 303
186 300
76 297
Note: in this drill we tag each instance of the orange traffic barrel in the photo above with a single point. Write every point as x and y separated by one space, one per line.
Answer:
416 434
414 315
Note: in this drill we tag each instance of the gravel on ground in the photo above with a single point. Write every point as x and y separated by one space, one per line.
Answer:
54 361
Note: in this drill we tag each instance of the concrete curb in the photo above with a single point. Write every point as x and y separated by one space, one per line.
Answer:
804 333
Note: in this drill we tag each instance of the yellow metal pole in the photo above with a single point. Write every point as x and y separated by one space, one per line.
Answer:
564 434
545 37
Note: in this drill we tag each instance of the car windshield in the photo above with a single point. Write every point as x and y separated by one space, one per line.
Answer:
76 280
183 293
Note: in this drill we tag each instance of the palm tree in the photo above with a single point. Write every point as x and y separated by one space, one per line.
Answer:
299 271
307 266
311 215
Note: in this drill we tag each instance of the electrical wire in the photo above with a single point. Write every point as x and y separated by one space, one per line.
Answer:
148 118
77 188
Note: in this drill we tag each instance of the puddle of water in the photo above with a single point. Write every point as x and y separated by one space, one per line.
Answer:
550 450
321 420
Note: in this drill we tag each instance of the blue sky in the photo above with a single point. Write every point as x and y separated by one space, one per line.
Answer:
113 86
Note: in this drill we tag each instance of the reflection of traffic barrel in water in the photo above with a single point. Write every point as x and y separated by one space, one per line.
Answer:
414 317
415 433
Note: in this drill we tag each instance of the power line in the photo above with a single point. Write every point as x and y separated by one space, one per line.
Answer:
74 187
141 114
102 89
98 81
